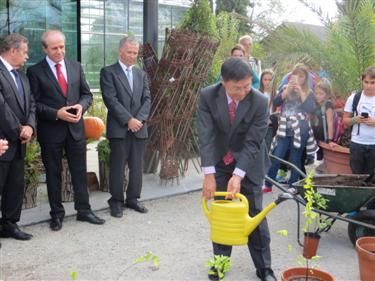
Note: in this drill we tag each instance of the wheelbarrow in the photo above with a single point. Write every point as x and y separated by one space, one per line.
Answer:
346 202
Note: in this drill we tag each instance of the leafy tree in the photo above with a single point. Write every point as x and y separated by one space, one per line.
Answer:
199 18
227 28
349 46
239 7
257 17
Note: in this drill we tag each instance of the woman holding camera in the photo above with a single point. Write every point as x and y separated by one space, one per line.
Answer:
294 132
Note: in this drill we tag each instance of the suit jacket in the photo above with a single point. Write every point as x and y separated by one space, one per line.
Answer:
50 98
245 138
13 114
123 103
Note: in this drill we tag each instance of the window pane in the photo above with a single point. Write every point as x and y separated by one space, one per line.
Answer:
3 19
92 39
32 18
116 27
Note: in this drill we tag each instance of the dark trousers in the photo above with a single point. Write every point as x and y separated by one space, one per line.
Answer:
128 150
259 240
52 154
12 186
362 161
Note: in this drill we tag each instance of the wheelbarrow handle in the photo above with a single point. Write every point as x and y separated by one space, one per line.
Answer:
298 170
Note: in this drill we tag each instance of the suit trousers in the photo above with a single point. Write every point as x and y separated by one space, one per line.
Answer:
128 150
259 239
12 186
52 154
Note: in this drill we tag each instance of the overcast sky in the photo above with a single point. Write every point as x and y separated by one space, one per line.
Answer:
295 11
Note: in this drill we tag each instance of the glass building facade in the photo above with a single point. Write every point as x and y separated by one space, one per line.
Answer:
93 28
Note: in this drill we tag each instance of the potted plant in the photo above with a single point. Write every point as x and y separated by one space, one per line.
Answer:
103 158
313 226
365 247
32 174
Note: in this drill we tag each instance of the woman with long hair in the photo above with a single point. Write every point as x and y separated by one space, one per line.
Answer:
294 131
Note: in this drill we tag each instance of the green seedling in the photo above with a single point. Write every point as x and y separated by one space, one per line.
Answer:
73 274
149 256
221 264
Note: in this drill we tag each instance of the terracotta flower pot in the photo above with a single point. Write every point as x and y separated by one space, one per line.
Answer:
366 257
310 244
298 273
336 159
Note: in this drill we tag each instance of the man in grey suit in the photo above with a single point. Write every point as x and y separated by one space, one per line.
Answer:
232 124
127 96
17 126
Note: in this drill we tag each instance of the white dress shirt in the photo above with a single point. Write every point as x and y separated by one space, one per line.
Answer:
52 65
211 169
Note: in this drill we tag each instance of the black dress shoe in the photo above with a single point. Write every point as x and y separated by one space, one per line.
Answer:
266 274
213 274
89 217
11 230
56 224
136 206
116 212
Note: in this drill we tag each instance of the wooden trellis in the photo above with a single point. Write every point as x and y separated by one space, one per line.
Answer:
175 82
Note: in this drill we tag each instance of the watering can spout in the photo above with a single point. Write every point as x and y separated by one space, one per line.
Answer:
253 222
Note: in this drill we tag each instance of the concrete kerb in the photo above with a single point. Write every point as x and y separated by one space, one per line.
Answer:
152 189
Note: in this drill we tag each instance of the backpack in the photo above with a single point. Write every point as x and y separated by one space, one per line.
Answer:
338 125
356 99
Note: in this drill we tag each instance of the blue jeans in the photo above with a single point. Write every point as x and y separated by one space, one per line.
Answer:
283 144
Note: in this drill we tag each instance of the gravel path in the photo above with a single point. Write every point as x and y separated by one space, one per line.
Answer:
175 230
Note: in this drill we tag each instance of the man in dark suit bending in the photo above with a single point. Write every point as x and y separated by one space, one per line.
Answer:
126 94
17 126
232 124
62 96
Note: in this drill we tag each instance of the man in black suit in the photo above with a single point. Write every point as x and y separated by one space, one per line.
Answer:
17 126
126 94
62 95
232 124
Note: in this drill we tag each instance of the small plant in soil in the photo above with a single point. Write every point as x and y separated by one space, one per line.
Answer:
313 222
301 260
313 226
73 274
149 257
221 264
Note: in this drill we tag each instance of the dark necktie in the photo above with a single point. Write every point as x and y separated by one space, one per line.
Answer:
21 91
61 79
228 158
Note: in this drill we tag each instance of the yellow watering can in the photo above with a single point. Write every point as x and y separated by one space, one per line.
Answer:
230 220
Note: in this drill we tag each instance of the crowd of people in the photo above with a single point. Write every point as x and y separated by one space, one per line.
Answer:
289 123
240 120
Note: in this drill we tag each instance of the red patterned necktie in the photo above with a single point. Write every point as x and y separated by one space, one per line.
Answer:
61 79
228 158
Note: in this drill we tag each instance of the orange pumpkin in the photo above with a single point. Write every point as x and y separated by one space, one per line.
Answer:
94 127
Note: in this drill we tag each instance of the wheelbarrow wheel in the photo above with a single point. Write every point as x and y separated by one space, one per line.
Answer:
356 231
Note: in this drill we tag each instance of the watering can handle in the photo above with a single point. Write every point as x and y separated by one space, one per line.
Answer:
224 193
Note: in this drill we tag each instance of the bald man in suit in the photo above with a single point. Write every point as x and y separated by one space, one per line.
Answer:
62 96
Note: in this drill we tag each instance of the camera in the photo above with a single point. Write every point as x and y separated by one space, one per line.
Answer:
72 111
364 114
294 78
